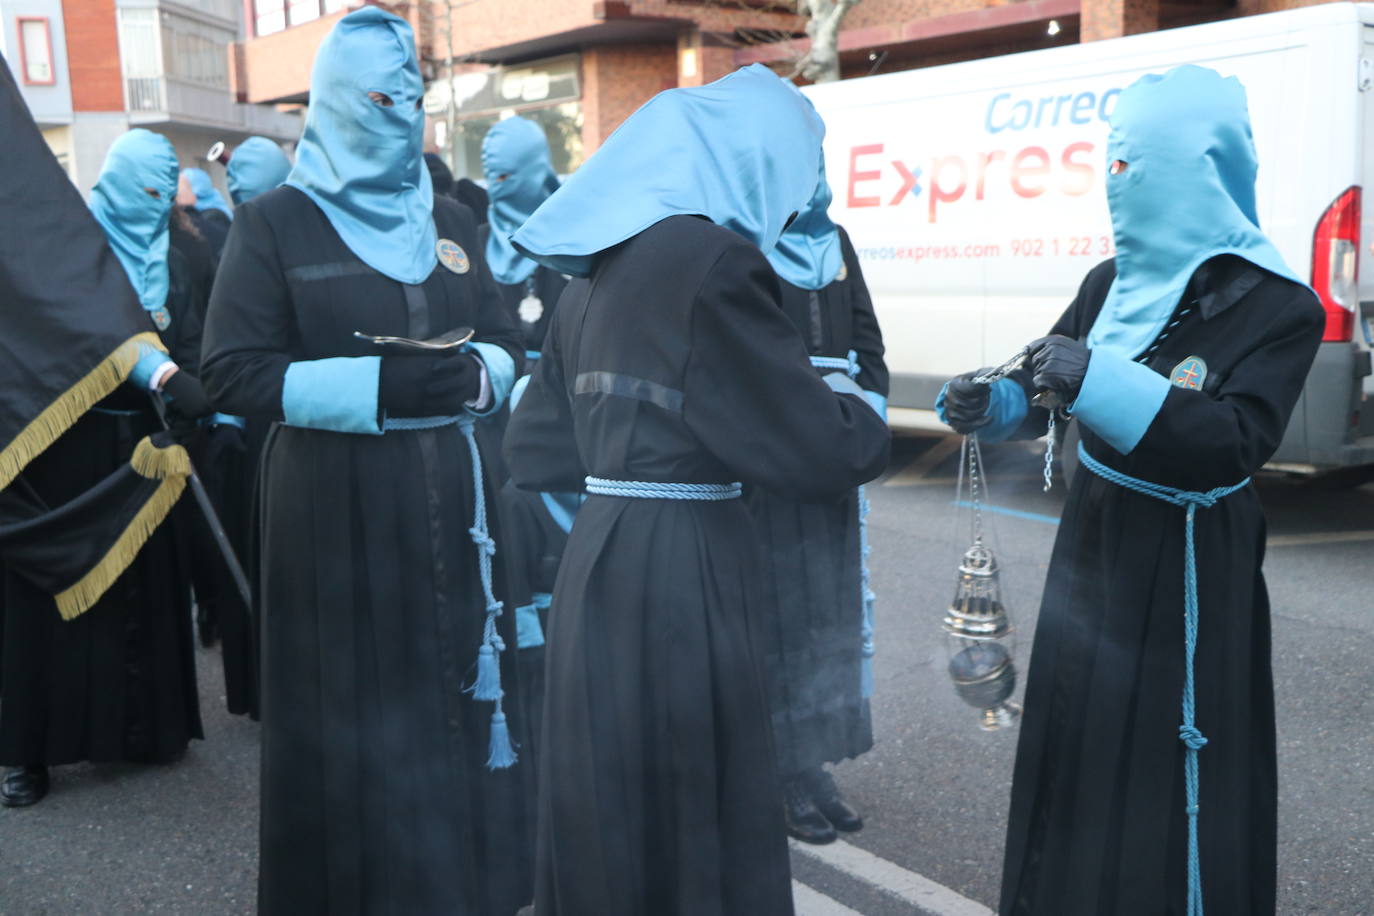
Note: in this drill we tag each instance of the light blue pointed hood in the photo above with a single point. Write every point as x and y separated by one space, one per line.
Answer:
258 165
1187 195
520 177
808 254
742 151
363 163
135 223
208 196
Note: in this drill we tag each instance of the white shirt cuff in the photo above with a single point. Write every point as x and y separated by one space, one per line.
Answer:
160 375
483 399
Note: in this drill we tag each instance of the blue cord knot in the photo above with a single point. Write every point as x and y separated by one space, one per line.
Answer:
1188 733
1190 736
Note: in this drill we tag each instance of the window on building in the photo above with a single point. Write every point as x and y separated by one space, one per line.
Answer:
268 16
140 57
35 51
304 11
194 51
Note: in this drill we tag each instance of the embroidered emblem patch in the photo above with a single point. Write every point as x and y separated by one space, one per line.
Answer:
162 318
843 274
452 256
1190 373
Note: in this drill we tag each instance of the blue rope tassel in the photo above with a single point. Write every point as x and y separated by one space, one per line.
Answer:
488 685
850 366
1188 733
866 673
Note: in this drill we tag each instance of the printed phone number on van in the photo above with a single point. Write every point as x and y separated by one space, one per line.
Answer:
1072 246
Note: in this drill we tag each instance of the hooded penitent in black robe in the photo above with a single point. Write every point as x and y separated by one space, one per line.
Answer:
544 285
813 624
376 797
119 681
673 362
1097 824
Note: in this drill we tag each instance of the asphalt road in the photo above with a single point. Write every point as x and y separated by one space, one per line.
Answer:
182 839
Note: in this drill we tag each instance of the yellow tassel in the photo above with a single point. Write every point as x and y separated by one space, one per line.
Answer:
81 597
160 463
44 429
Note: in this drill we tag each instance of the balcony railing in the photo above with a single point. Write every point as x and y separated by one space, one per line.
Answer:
156 100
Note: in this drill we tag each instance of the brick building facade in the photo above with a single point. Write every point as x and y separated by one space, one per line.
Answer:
579 67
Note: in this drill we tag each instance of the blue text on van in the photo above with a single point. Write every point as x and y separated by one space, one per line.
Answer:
1004 113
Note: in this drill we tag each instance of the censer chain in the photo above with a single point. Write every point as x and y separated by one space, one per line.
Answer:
1000 372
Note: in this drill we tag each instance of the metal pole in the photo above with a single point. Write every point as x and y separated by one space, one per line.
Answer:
212 519
452 95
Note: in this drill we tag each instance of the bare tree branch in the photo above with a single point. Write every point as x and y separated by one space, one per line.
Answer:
822 63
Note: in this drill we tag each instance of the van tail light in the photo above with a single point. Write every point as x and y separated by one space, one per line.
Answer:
1336 265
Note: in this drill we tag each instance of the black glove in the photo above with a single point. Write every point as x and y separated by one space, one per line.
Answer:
426 385
1058 364
186 399
966 403
225 440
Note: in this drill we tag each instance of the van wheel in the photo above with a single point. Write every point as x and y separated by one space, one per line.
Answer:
1067 450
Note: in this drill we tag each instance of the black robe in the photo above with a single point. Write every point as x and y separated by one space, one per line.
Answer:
674 363
226 460
214 228
535 538
376 797
118 682
1097 824
813 598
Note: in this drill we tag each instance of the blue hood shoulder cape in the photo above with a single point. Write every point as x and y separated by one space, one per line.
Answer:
257 166
743 152
520 177
208 196
134 221
808 255
362 162
1187 194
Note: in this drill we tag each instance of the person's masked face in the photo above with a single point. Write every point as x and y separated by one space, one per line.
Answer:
515 160
367 104
1176 145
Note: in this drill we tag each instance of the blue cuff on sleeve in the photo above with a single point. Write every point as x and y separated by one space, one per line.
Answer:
518 391
877 402
1006 405
843 384
1119 399
338 394
225 419
149 359
500 372
562 508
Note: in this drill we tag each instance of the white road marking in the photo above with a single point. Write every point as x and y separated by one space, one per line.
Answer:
912 474
1320 537
926 895
813 903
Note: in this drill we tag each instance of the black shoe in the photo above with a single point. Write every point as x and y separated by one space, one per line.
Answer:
23 786
804 821
831 804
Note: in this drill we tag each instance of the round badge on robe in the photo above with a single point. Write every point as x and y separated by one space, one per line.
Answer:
531 309
1190 373
162 318
452 256
843 274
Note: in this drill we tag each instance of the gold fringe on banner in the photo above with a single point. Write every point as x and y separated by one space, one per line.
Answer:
172 466
59 416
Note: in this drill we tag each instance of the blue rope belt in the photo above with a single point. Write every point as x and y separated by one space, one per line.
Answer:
1188 733
644 489
487 688
850 366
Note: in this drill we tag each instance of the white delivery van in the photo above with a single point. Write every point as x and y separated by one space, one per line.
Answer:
974 195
